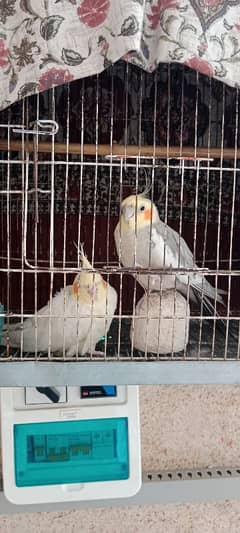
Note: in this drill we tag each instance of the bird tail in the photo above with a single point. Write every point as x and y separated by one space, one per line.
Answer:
208 309
212 293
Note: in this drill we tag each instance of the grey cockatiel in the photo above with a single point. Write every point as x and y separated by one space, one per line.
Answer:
143 240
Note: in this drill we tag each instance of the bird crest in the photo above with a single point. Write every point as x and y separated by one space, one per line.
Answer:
88 277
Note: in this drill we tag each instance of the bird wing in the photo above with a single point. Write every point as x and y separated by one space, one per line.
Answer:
160 246
177 252
179 255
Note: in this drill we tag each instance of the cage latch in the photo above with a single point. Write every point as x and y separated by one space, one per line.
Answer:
41 127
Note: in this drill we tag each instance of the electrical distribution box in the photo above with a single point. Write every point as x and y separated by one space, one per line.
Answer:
85 446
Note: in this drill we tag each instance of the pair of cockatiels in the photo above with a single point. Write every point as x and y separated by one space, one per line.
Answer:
82 313
76 318
144 241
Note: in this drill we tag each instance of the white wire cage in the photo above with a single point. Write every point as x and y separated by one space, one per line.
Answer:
175 129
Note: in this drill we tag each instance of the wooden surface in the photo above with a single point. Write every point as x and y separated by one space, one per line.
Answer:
122 150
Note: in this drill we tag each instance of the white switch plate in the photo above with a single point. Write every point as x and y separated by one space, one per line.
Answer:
33 397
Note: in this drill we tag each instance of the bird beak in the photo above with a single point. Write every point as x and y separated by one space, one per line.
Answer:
93 291
128 212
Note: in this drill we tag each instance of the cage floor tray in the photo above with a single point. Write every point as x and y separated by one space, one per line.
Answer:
203 344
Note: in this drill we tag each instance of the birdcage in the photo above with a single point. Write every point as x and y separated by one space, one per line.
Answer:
69 157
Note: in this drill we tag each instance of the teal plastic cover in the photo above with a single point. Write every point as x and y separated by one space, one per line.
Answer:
76 451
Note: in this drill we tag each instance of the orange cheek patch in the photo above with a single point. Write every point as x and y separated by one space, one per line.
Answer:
104 284
148 214
75 288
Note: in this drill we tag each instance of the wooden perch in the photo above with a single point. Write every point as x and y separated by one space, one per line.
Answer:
122 150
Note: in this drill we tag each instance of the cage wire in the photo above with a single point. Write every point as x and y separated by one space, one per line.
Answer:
63 182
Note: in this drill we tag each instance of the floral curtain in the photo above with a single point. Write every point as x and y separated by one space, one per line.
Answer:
44 43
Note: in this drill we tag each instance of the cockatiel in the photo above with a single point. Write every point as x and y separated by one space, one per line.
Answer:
80 330
143 240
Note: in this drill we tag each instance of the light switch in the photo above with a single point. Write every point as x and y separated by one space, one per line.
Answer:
34 397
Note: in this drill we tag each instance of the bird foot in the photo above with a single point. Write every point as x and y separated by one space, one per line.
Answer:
97 352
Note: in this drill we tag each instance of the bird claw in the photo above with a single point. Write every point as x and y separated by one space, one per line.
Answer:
97 353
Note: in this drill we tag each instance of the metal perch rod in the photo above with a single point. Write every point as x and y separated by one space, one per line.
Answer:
124 151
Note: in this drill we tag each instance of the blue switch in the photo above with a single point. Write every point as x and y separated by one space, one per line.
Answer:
110 390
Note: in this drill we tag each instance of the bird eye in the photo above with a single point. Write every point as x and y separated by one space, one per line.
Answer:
142 208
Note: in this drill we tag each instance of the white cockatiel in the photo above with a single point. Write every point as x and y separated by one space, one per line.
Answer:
81 314
143 240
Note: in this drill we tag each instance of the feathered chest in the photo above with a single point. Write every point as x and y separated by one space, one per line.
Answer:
141 248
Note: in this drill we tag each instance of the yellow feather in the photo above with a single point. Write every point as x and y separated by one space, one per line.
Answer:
140 218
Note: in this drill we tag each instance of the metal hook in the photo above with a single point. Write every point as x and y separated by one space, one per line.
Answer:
51 127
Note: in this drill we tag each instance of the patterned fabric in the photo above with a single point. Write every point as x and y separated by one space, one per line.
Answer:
45 43
107 202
